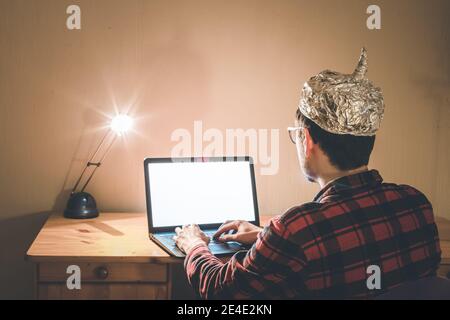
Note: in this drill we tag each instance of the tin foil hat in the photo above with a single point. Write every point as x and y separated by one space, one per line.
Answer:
343 103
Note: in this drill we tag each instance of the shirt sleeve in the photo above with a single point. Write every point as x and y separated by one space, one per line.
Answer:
263 272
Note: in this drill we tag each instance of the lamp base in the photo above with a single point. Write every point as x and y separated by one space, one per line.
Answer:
81 205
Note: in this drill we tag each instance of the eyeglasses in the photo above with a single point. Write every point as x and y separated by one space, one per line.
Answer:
292 131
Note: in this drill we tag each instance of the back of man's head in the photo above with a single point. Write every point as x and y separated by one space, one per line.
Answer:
344 151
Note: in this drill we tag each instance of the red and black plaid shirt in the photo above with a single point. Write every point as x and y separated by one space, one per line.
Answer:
322 249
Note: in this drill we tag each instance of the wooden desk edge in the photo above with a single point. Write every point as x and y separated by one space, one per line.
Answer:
105 259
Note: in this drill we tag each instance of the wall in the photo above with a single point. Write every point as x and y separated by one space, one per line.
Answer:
231 64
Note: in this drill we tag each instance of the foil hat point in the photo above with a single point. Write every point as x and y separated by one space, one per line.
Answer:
361 68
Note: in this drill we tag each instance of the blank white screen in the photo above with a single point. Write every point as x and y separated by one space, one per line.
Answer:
200 192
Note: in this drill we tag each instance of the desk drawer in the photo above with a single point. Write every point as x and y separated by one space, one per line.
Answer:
103 291
104 272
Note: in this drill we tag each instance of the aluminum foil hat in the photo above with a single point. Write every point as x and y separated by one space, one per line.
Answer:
343 103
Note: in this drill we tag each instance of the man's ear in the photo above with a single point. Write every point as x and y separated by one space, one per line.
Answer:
308 143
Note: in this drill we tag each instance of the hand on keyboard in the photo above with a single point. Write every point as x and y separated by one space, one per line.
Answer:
244 232
189 236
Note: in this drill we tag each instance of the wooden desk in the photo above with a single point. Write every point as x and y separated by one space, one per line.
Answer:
117 259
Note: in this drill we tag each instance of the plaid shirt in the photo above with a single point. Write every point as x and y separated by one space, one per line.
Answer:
322 249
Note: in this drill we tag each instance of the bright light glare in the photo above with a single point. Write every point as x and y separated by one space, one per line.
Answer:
121 123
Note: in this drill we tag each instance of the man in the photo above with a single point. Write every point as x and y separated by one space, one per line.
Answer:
323 248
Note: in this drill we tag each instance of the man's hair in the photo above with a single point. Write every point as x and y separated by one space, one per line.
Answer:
345 151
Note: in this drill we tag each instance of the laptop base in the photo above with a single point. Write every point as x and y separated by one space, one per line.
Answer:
166 242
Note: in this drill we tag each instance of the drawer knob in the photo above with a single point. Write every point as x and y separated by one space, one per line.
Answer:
101 273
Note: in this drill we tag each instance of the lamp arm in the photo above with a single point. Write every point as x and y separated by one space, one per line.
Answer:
98 164
91 159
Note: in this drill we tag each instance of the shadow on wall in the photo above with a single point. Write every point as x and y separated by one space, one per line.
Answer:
86 144
16 236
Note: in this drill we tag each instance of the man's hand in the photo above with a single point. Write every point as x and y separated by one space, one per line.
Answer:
189 236
245 232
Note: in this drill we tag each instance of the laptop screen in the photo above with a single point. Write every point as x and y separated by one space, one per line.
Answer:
199 192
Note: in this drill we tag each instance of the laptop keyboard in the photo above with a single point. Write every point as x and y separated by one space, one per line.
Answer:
209 234
213 244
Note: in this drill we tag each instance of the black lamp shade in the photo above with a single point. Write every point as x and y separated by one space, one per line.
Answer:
81 205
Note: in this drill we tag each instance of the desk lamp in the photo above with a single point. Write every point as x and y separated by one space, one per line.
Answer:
82 205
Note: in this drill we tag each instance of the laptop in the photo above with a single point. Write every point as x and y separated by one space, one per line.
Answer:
203 191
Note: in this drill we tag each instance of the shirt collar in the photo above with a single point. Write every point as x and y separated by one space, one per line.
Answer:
351 182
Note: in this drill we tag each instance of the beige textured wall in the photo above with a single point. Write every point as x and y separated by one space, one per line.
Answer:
231 64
